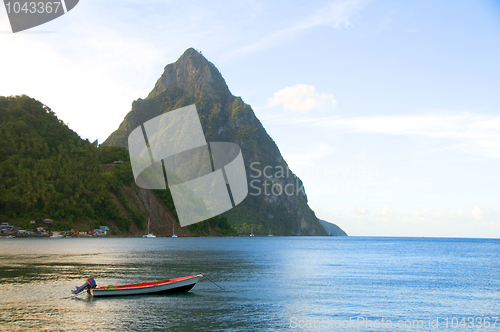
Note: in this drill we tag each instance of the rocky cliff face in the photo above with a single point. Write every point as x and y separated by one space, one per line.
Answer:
194 75
162 219
332 229
277 200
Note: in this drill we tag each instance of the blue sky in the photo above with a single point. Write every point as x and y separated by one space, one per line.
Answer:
387 110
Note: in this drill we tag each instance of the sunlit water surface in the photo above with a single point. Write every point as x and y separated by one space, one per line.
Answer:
271 283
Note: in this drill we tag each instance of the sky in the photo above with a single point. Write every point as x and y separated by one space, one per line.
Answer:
389 111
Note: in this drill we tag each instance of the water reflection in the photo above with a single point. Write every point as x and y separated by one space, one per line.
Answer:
269 280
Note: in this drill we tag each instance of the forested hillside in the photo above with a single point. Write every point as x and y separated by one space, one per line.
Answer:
48 171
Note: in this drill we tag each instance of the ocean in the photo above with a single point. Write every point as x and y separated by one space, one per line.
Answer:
270 284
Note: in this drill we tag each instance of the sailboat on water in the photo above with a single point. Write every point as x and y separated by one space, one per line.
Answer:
148 233
270 232
251 234
173 230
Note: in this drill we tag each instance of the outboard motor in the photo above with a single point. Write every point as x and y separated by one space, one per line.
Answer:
89 284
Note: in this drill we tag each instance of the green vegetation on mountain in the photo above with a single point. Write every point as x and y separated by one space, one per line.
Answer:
48 172
45 168
226 118
219 224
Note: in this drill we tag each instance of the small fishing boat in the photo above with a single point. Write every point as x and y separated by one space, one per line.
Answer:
169 286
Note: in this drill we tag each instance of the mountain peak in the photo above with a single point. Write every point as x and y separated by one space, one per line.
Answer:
192 79
194 74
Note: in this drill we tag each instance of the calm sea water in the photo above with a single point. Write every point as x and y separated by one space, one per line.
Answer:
272 283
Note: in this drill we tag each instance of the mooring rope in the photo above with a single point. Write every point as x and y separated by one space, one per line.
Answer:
214 283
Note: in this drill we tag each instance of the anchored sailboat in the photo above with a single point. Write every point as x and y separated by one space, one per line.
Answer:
173 230
148 233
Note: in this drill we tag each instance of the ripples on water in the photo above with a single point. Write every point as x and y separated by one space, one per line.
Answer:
269 282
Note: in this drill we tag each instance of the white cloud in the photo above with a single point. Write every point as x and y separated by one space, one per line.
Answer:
469 133
484 214
386 212
481 214
427 222
309 158
360 211
477 212
435 213
336 14
327 215
302 98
